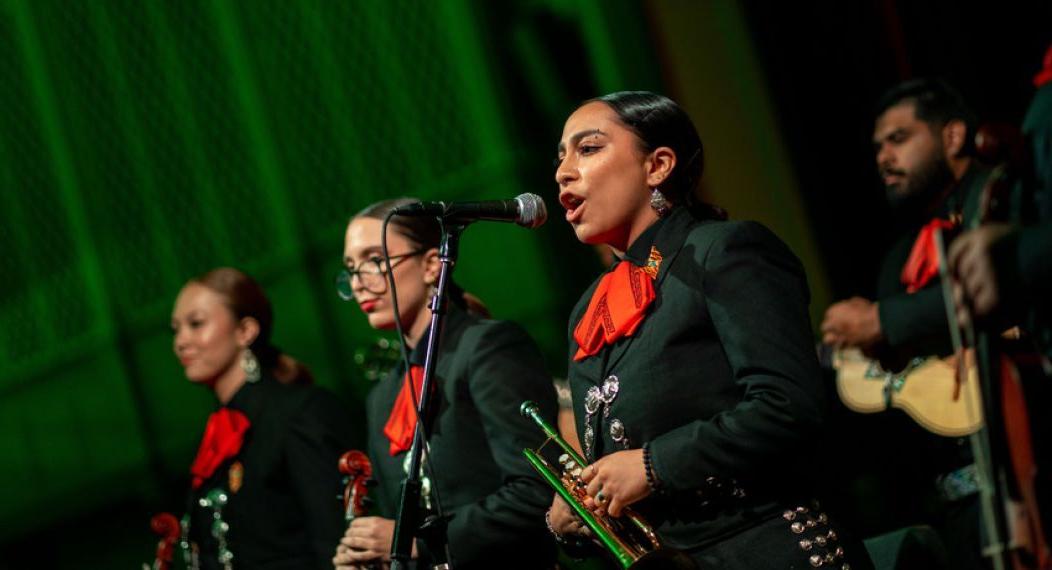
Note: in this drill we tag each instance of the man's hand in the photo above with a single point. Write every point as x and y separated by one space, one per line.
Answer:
852 323
971 261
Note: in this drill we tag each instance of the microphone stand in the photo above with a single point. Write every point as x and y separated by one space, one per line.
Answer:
408 524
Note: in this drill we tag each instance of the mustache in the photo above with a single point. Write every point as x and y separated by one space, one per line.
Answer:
891 171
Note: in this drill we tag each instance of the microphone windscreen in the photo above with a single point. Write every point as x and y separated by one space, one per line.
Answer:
532 211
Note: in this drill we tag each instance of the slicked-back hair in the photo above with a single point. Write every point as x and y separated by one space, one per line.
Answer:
658 121
934 101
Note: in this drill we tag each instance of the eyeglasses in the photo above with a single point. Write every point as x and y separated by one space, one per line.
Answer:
371 273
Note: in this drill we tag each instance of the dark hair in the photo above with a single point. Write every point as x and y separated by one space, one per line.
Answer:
658 121
423 231
245 298
426 233
935 102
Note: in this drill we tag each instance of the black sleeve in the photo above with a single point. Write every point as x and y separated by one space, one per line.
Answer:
757 296
319 434
506 369
916 321
913 324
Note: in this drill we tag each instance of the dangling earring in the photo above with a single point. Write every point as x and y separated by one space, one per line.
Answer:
250 365
659 203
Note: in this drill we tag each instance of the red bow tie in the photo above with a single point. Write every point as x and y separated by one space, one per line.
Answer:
401 424
224 434
923 263
616 310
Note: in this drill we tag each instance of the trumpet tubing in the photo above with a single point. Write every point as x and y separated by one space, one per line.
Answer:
630 540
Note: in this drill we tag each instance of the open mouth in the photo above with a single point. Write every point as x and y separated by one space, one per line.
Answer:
573 207
892 177
891 181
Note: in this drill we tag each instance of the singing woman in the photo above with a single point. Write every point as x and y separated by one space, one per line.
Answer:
695 383
485 370
272 445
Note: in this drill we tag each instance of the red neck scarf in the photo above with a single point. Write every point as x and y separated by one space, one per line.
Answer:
401 424
619 304
923 263
224 434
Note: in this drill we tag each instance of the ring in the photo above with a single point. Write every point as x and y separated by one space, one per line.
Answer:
600 497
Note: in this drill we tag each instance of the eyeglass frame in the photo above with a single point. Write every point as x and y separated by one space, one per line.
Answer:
346 276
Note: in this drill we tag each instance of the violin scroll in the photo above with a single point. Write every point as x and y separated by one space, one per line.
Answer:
167 527
358 470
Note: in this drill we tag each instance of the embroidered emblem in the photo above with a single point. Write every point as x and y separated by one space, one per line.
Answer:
235 477
653 263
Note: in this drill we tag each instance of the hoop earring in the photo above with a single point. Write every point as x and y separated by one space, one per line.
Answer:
659 203
250 364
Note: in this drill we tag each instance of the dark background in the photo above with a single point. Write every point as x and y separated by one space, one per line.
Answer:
142 143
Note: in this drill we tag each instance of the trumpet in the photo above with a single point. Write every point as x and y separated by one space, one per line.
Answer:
629 539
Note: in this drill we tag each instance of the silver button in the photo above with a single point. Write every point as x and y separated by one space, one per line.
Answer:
617 430
592 400
611 386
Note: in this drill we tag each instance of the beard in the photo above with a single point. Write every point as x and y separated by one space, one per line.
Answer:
914 197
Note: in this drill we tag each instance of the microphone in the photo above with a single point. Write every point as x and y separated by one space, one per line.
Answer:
527 210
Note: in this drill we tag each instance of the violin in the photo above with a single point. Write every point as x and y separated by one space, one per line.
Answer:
1003 449
357 471
167 526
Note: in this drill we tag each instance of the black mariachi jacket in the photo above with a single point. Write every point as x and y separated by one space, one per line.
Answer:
485 370
721 379
914 324
283 485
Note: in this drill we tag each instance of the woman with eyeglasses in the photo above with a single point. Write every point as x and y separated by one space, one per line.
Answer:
695 383
485 370
266 465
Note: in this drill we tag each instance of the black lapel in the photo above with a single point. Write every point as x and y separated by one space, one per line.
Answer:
669 242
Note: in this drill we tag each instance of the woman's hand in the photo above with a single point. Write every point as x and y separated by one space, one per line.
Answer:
564 521
616 481
368 539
